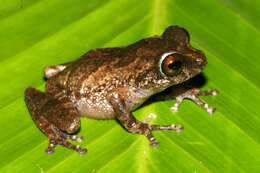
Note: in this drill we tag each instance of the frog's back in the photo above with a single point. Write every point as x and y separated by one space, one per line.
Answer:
97 70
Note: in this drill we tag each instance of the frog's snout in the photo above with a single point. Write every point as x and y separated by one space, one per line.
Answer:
200 63
201 60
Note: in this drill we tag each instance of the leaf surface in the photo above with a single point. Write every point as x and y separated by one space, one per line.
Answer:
35 34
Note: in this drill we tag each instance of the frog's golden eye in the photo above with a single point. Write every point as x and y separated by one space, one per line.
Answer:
171 63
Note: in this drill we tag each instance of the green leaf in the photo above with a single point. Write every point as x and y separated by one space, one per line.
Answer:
34 34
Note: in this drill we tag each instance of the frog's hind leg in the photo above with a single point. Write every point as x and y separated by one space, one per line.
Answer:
57 118
126 118
51 71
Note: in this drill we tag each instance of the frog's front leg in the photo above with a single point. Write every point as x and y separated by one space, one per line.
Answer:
193 94
181 92
57 118
125 117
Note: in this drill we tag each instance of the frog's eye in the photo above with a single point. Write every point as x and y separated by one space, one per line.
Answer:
171 63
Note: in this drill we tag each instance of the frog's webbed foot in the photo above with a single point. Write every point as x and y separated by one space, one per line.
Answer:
126 118
57 137
151 127
152 116
56 118
193 94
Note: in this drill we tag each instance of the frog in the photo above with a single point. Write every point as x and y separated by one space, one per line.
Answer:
110 83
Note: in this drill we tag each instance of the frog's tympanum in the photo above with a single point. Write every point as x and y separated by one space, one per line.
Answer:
110 83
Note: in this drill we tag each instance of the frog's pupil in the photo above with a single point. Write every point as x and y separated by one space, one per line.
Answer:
175 65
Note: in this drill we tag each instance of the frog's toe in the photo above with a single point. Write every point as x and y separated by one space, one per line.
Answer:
151 127
81 150
61 139
75 138
72 137
78 138
50 149
154 143
175 108
65 143
209 109
213 92
177 128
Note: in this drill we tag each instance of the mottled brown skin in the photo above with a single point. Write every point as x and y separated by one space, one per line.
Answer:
110 83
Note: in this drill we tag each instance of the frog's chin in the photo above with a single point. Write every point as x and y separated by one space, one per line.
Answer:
192 75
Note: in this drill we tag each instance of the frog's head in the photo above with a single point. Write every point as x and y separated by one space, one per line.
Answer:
179 61
162 61
170 57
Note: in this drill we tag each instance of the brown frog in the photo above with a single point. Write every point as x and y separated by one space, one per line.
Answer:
110 83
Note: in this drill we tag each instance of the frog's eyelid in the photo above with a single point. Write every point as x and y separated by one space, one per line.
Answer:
162 59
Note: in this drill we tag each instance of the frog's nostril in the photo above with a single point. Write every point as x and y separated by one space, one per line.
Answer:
198 61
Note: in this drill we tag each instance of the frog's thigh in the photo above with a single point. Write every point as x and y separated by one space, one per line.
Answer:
50 71
54 118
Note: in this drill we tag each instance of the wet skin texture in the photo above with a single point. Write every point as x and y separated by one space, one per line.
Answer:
110 83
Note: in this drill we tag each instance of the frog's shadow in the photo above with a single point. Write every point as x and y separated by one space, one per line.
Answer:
195 82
